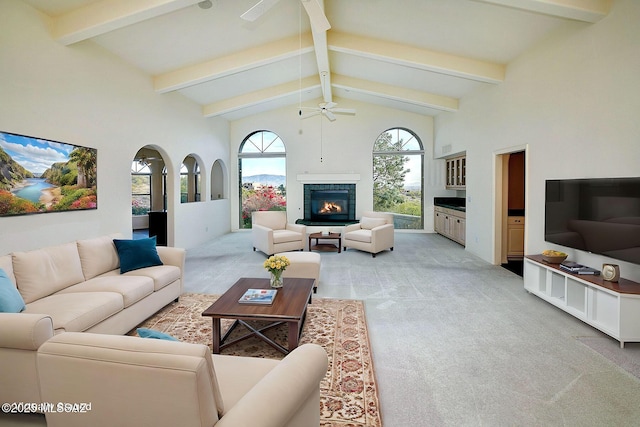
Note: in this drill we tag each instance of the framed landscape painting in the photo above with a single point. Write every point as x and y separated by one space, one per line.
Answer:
40 176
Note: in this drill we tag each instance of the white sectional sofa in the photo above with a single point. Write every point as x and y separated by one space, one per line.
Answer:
136 382
76 287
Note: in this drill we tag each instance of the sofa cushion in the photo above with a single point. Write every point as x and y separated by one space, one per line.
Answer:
162 275
284 236
371 223
45 271
77 312
152 333
135 254
98 255
132 288
359 236
10 299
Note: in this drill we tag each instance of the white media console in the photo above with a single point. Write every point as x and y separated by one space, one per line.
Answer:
612 307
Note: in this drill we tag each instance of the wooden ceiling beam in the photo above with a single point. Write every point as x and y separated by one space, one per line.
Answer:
231 64
409 96
260 97
103 16
423 59
580 10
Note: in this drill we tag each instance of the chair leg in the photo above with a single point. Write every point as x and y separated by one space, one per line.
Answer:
391 247
254 249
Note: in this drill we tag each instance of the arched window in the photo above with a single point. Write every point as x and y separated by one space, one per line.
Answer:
262 175
140 187
217 180
190 180
398 171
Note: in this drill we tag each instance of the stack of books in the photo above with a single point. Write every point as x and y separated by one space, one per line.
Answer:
258 296
575 268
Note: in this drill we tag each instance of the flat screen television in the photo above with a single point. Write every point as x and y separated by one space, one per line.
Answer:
597 215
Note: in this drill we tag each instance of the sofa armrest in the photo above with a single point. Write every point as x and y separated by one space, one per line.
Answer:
350 227
382 237
294 384
262 238
24 331
298 228
172 256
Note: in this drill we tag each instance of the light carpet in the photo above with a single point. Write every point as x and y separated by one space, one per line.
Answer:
610 349
348 392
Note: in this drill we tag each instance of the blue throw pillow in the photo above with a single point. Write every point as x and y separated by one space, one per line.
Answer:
138 253
10 299
150 333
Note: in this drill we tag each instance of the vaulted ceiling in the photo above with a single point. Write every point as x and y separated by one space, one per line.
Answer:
421 56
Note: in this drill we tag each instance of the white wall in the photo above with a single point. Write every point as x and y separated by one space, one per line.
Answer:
347 145
83 95
574 101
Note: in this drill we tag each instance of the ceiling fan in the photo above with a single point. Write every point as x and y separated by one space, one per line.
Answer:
327 109
319 22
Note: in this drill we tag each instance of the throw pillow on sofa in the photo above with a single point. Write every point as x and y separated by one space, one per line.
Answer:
152 333
138 253
371 223
10 299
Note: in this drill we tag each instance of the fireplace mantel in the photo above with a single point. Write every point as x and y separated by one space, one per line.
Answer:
326 178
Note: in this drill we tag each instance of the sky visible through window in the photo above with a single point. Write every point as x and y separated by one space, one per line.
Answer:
263 166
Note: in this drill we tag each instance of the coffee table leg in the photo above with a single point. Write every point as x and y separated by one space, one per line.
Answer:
294 332
216 335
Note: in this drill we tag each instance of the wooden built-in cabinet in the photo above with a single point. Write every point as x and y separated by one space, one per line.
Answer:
450 223
515 237
456 173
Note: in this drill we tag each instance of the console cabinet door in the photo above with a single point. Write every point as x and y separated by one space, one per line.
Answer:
450 223
439 220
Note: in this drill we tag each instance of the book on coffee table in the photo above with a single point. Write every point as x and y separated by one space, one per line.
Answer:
258 296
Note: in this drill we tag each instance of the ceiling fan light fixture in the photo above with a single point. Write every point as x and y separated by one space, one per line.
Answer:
206 4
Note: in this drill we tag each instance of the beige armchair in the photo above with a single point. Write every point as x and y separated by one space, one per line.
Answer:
373 234
271 233
132 381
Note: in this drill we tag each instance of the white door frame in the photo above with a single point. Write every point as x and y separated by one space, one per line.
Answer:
500 206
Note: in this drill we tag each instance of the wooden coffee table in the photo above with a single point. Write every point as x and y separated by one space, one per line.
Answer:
289 306
324 246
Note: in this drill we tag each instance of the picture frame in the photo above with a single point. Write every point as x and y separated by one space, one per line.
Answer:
40 175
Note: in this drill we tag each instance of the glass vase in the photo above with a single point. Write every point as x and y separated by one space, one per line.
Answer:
276 280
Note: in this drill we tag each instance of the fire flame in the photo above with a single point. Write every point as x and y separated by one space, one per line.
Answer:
330 207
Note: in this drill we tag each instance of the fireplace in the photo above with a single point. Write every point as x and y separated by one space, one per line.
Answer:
329 203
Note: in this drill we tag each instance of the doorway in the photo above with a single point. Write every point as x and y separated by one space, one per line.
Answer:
510 209
149 195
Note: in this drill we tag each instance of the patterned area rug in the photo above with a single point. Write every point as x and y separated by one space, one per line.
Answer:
348 393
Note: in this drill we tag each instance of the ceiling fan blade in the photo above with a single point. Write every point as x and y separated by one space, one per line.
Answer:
350 111
328 105
319 22
307 115
329 114
258 10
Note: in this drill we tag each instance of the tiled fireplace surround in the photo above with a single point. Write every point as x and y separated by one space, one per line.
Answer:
351 198
328 181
